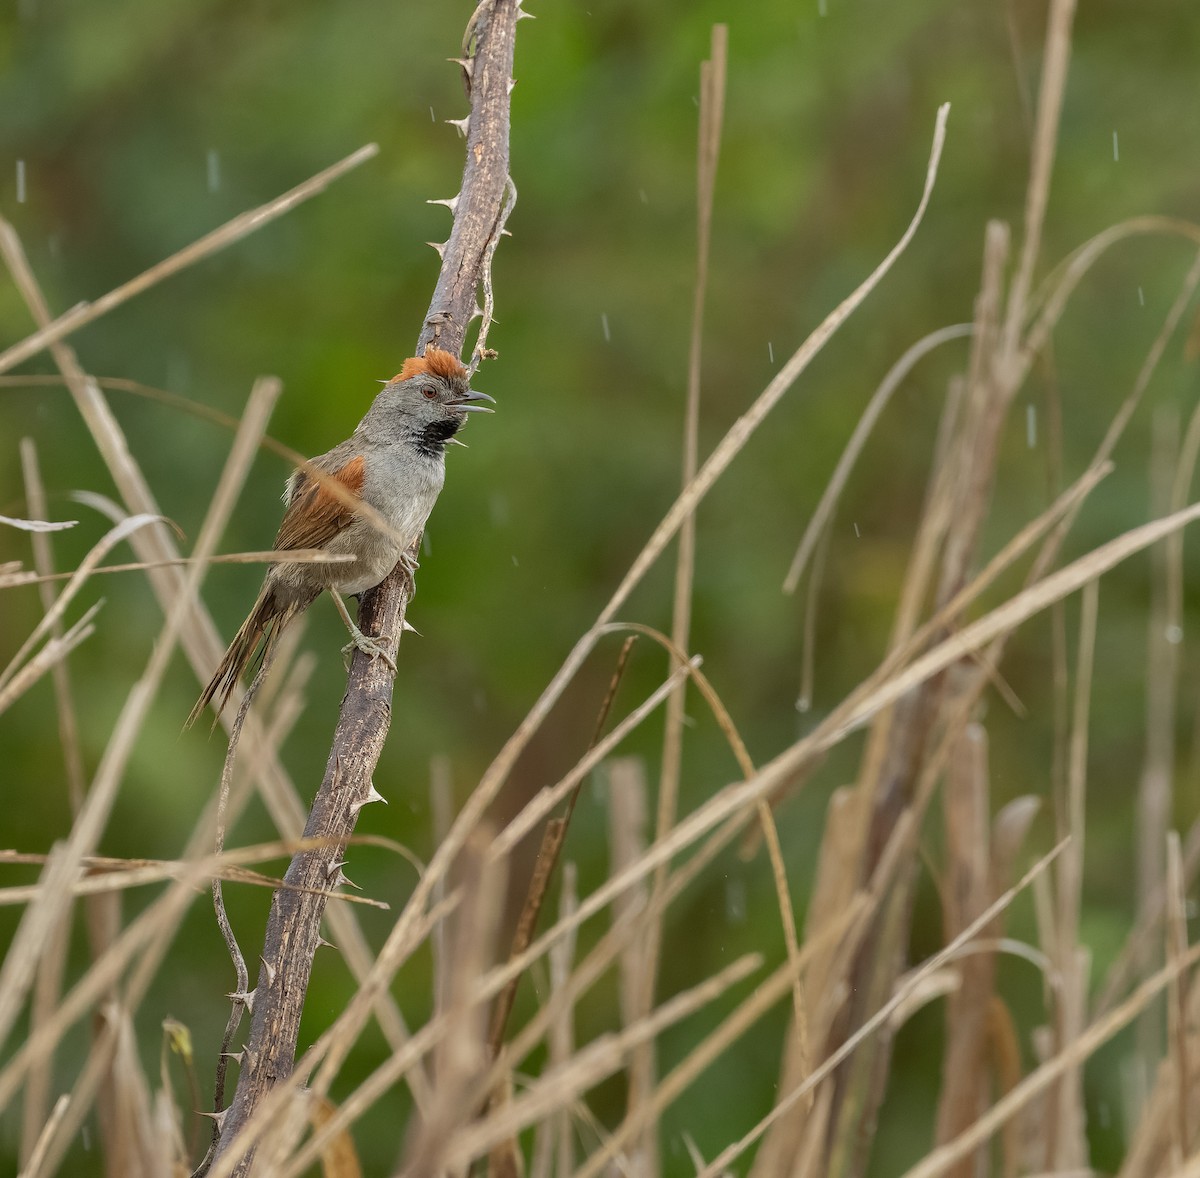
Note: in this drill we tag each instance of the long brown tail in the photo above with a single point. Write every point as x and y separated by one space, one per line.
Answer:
267 619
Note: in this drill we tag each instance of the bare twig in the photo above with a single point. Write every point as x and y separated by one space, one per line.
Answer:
293 926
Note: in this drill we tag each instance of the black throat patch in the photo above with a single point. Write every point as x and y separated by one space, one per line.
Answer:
431 441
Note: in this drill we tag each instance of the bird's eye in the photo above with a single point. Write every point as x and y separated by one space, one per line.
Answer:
429 392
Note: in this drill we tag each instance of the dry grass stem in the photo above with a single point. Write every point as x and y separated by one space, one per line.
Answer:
293 556
898 999
32 1166
1045 137
593 1063
1066 1124
821 517
641 998
1098 1033
1178 1029
463 1053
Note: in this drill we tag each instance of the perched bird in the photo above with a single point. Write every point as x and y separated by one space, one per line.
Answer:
394 462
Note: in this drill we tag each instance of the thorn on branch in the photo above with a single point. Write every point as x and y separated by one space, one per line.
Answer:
468 69
268 969
372 795
440 246
451 202
460 125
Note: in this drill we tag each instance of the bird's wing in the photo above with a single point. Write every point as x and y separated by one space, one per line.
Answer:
319 508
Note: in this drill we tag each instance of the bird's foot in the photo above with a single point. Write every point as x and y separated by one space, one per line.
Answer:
373 648
410 564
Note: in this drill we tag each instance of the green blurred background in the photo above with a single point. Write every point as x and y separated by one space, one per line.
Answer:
141 124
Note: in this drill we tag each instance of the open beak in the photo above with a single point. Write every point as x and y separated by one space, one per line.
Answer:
467 402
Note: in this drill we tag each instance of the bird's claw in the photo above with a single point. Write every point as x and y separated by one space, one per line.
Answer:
373 648
410 564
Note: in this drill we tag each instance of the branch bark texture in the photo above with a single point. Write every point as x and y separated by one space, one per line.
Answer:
293 927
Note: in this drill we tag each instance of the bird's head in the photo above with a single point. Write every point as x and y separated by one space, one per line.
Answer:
425 403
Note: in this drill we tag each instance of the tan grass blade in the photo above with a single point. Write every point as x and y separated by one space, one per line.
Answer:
32 1166
863 428
641 999
591 1064
965 893
78 579
916 978
51 655
1103 1029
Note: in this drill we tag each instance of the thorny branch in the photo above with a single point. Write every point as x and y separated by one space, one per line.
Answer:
293 929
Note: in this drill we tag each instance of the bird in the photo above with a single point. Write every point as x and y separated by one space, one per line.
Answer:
394 463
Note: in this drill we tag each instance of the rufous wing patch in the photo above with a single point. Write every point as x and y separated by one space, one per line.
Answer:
316 512
351 477
436 361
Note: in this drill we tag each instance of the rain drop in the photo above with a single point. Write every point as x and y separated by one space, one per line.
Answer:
735 900
1116 153
1174 634
1031 426
1141 297
770 351
214 170
857 533
20 182
604 325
